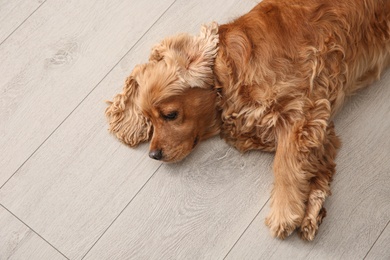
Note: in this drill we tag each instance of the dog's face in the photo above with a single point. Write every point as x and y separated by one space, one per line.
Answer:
170 100
180 122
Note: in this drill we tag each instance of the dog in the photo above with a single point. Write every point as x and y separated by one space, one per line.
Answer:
272 80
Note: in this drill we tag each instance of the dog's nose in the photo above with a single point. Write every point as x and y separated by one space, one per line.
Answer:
156 154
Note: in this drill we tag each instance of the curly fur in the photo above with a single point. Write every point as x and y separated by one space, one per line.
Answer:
271 80
125 118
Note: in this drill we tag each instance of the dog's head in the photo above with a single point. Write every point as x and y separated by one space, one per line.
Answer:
170 99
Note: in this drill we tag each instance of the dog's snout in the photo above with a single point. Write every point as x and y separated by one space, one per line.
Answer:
156 154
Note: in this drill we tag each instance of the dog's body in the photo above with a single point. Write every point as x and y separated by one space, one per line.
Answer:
270 80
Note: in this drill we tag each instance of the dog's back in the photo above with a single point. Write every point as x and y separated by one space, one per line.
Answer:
339 46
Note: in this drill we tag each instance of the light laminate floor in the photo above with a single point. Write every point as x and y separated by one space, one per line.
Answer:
70 190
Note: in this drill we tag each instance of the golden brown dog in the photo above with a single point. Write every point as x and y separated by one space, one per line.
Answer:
271 80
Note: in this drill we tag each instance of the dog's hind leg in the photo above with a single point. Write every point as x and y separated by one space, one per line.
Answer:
320 186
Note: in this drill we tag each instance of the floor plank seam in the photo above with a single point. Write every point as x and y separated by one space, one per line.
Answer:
116 64
120 213
247 228
33 231
28 158
17 27
376 240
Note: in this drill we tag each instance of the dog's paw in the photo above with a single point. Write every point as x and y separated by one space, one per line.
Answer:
279 230
308 229
282 224
310 224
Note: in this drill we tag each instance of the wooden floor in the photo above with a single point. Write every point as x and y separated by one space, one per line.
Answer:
70 190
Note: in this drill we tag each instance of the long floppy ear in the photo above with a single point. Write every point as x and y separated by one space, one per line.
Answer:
195 54
124 116
202 55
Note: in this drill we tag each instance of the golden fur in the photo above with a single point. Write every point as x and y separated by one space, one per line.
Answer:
271 80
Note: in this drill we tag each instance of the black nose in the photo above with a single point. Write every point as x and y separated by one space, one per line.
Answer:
156 154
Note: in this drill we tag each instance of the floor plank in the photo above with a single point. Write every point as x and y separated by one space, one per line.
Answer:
79 181
14 13
19 242
66 170
381 248
196 209
54 60
359 208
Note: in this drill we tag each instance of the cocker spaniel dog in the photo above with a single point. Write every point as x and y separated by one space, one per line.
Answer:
270 80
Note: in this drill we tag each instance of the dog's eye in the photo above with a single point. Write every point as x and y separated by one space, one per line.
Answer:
170 116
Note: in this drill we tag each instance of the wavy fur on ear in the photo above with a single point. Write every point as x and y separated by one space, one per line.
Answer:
195 55
124 116
202 55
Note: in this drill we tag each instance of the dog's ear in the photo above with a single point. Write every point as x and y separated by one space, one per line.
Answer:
124 116
202 55
194 54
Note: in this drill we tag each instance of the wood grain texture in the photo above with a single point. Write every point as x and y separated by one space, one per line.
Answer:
359 208
381 248
54 60
196 209
72 189
19 242
14 13
60 192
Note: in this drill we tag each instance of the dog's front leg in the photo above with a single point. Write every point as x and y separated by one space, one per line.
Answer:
300 148
291 187
320 184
